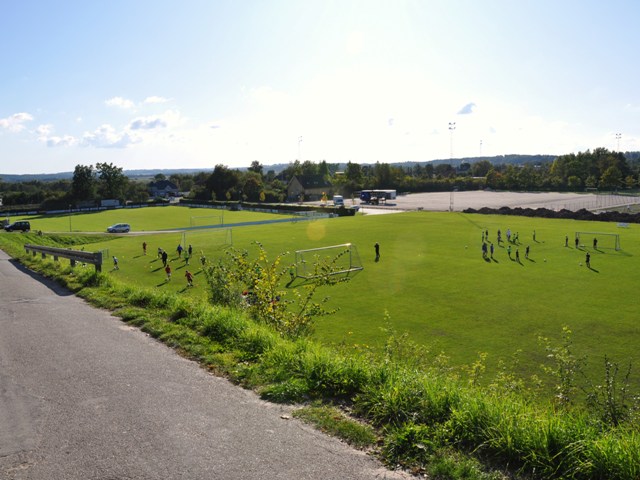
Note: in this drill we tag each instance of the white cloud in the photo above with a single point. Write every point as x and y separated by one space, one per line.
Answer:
156 99
15 123
148 123
120 102
467 109
170 118
64 141
107 137
45 135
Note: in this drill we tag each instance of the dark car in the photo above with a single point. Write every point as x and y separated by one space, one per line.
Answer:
21 226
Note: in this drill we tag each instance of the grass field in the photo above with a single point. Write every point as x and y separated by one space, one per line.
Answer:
142 219
431 278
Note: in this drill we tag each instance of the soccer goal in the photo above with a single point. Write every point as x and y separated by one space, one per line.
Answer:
332 260
207 221
221 237
604 240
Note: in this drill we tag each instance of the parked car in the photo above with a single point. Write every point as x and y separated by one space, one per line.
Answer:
119 228
21 226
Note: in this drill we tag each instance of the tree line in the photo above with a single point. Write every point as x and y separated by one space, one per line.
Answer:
598 169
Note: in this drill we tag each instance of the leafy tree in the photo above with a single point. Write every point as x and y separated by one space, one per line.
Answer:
444 170
323 169
256 167
481 168
353 172
222 181
611 178
494 179
159 176
252 186
630 181
83 184
137 192
382 172
309 168
574 182
183 181
293 169
113 182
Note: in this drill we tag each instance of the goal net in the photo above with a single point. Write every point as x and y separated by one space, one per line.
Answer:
599 240
206 221
331 260
220 237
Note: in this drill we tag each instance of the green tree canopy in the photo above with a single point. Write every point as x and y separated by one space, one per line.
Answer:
113 182
83 184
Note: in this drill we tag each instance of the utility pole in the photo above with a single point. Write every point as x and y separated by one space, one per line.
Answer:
452 127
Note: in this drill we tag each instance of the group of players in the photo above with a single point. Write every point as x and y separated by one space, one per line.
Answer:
513 239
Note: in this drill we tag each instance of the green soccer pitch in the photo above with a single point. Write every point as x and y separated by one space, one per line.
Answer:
432 282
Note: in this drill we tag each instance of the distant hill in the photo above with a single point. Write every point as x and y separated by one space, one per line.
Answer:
150 172
50 177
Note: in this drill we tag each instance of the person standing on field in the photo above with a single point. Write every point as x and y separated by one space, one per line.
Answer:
165 257
167 270
115 263
377 249
587 260
189 276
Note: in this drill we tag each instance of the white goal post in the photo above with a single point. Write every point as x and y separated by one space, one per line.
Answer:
599 240
220 237
341 259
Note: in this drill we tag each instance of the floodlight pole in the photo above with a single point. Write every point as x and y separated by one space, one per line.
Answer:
618 137
452 127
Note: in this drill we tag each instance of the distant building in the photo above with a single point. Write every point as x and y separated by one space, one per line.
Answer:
312 187
163 189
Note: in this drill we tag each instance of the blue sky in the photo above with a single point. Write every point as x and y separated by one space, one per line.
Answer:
191 84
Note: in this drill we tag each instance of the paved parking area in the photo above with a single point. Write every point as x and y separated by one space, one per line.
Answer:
458 201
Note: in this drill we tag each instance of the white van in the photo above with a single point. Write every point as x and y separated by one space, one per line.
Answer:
338 201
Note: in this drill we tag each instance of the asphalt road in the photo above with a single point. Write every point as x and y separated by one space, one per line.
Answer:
84 396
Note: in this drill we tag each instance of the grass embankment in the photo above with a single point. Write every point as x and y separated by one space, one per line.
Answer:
426 419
